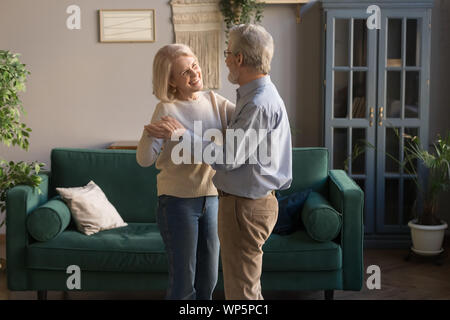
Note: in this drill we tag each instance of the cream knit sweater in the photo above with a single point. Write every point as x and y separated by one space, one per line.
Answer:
184 180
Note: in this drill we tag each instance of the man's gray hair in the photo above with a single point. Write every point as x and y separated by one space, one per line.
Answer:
254 43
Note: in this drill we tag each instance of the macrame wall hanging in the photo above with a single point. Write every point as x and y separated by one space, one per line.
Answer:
198 24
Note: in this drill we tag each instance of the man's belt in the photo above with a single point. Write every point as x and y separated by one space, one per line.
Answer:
225 194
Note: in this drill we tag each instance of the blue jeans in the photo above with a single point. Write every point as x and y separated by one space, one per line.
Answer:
188 227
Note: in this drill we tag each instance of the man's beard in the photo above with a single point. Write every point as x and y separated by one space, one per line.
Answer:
233 77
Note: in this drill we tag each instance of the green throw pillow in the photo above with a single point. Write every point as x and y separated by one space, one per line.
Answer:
322 222
49 220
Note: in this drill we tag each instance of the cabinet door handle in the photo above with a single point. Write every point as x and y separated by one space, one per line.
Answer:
371 116
380 116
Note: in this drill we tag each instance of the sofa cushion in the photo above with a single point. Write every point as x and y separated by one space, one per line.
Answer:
289 209
322 222
298 252
137 247
49 220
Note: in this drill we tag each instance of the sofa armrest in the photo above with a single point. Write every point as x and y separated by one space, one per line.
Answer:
348 198
20 201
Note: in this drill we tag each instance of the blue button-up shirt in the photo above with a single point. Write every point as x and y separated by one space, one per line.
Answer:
260 109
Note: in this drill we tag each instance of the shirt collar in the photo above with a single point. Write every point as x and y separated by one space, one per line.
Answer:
242 91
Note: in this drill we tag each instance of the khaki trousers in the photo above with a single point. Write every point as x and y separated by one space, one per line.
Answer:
244 225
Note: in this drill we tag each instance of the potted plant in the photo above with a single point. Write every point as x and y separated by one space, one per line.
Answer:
427 229
240 11
12 131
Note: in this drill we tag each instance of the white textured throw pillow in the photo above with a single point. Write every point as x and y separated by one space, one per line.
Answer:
91 209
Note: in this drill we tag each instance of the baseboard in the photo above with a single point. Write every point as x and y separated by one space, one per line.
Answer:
387 244
395 241
387 241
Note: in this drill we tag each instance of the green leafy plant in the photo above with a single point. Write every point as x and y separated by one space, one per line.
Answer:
358 150
437 171
240 11
437 164
13 132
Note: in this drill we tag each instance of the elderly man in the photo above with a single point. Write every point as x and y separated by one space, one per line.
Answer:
248 208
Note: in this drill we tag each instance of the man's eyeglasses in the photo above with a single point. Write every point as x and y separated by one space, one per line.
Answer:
226 53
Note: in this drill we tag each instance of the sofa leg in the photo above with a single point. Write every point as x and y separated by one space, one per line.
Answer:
42 295
329 294
65 295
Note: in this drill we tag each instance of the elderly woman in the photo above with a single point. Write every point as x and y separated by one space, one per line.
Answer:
187 198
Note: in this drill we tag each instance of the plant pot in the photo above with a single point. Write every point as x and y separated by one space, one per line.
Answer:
427 240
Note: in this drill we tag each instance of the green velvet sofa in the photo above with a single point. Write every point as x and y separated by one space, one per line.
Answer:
133 257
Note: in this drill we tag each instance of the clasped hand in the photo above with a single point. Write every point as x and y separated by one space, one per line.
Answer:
165 128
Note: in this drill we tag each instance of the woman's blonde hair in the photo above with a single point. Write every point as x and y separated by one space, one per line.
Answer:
162 69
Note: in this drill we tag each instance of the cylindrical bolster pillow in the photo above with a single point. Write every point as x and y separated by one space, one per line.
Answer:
49 220
322 222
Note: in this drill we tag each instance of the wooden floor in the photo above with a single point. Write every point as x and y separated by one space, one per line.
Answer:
400 280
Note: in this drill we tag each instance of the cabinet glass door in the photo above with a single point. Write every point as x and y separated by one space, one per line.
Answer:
402 113
350 100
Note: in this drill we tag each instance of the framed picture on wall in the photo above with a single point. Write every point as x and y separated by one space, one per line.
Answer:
127 25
